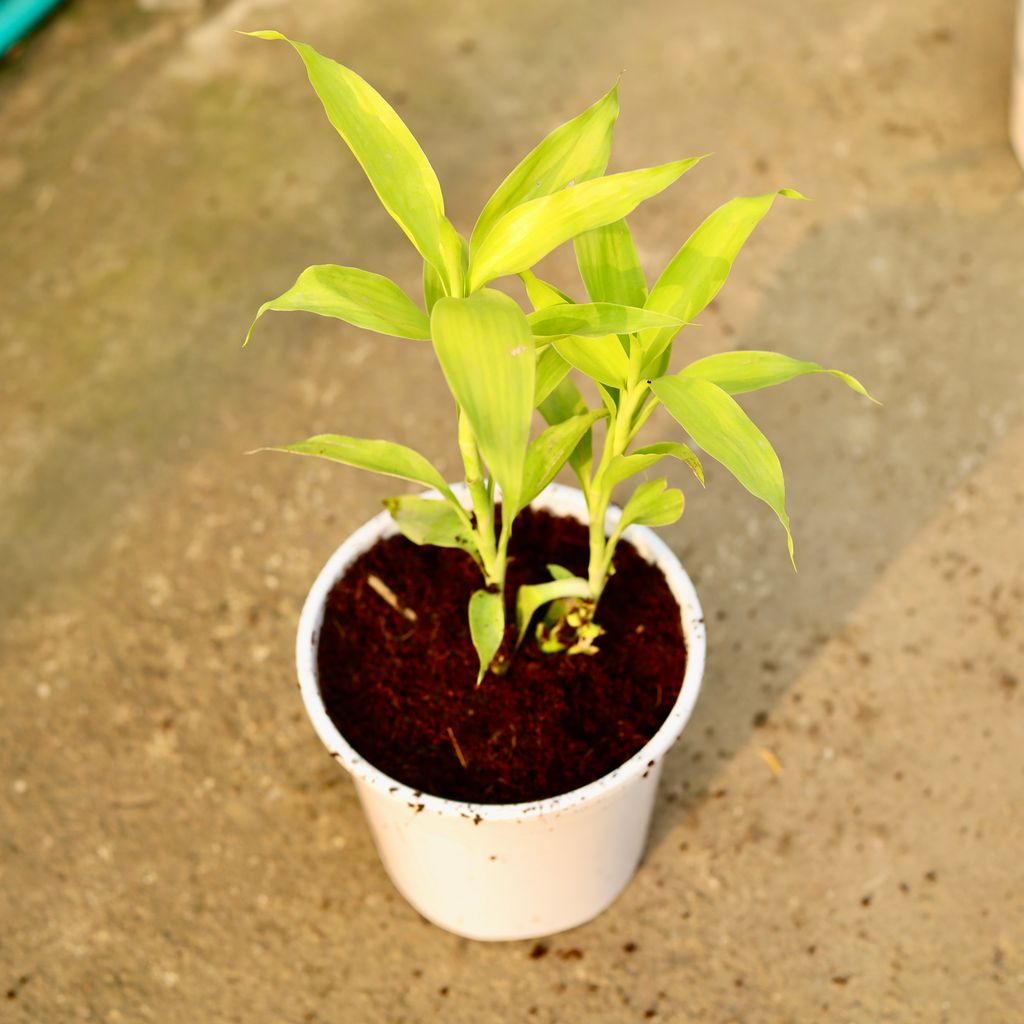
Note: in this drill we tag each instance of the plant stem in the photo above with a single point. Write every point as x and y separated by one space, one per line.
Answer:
645 413
482 498
501 556
622 428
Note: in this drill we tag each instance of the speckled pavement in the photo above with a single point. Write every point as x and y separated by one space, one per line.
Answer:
839 833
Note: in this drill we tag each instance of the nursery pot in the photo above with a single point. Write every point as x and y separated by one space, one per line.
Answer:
509 871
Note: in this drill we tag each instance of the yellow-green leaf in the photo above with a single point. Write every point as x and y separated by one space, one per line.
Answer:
551 371
397 168
551 367
385 457
454 258
603 359
595 319
355 296
651 504
486 351
715 421
563 402
540 293
531 230
433 287
429 521
739 372
569 152
546 456
624 466
610 266
697 272
532 597
486 627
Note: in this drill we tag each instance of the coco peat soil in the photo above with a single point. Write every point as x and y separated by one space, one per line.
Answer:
402 689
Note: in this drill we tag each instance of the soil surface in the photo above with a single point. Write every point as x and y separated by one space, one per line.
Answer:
404 692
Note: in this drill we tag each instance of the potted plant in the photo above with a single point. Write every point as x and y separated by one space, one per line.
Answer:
502 663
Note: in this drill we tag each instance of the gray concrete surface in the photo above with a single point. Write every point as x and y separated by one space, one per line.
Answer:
176 844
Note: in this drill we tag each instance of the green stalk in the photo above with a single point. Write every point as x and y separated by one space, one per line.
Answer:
501 556
483 506
622 428
645 413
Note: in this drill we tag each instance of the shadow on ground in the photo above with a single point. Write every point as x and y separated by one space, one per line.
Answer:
920 305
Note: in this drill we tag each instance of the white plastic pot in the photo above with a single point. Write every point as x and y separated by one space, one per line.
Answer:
509 871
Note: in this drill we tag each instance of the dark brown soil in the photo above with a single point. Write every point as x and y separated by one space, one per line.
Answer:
403 693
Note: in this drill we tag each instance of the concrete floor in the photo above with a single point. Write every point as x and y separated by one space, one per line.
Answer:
176 844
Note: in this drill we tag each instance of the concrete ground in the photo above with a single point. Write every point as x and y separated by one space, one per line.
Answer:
176 844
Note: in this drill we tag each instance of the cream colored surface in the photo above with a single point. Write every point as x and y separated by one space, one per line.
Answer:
176 844
1017 98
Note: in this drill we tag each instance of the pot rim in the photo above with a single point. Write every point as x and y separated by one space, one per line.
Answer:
558 499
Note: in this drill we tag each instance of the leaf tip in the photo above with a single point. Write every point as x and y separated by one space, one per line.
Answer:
791 193
855 385
262 33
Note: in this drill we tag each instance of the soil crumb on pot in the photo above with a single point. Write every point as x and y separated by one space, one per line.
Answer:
401 688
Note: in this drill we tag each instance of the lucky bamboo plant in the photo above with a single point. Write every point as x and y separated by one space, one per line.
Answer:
629 373
502 364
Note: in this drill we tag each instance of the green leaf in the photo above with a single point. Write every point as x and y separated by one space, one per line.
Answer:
355 296
455 257
546 456
568 153
658 366
530 598
738 372
429 521
540 293
651 505
433 288
551 371
487 354
385 148
697 272
565 401
602 359
530 231
594 320
715 421
624 466
385 457
610 266
486 627
610 397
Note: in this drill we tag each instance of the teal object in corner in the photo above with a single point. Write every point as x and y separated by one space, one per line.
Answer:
18 16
